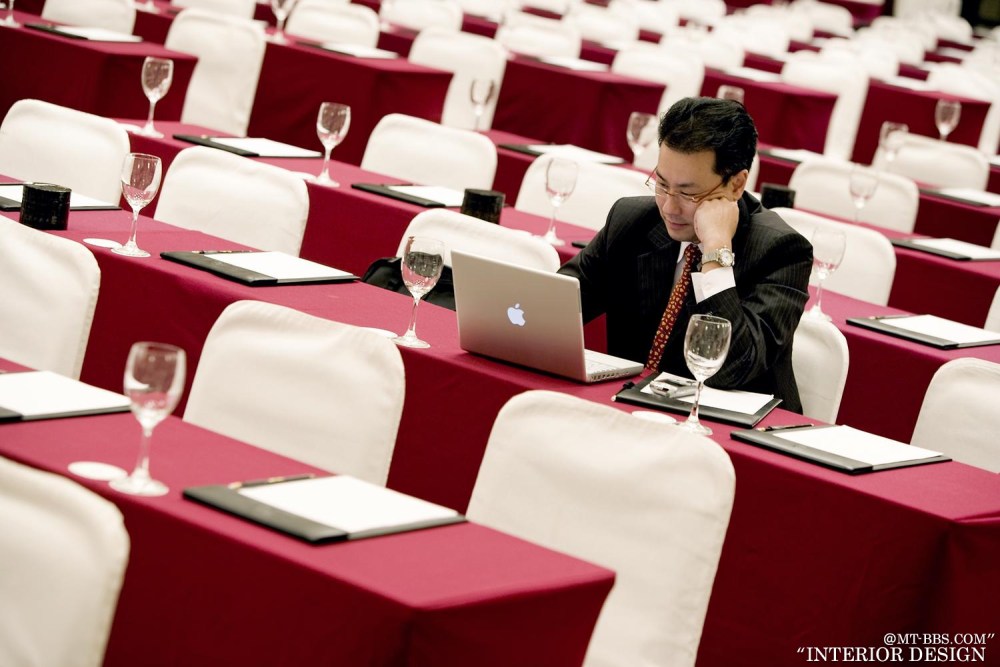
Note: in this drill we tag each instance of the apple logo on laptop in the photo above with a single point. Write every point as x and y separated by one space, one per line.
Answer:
516 315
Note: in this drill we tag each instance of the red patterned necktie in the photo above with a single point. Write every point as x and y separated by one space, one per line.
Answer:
692 254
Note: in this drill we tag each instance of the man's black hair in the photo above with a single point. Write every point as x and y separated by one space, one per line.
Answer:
696 124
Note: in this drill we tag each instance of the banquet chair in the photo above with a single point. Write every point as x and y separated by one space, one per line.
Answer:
425 152
755 34
598 187
491 10
827 17
600 24
49 287
561 7
959 415
681 71
539 37
823 185
116 15
338 22
820 361
472 235
40 141
798 25
869 263
421 14
714 51
705 12
64 550
468 57
243 9
230 52
878 59
969 82
996 238
321 392
907 46
647 500
653 15
937 163
839 73
236 198
993 315
753 174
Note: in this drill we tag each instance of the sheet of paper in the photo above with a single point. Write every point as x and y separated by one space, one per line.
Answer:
734 400
359 51
99 34
909 83
854 444
37 393
347 503
754 74
447 196
932 325
979 196
15 191
575 64
575 153
279 265
797 154
959 247
266 147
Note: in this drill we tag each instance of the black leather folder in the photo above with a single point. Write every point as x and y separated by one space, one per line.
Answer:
632 393
13 205
384 190
204 260
908 243
204 140
883 324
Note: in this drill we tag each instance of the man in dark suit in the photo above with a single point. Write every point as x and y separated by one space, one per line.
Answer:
754 268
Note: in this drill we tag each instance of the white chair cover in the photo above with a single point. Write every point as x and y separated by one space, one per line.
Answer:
493 10
321 392
467 57
959 415
823 185
422 151
969 82
472 235
820 360
339 22
753 174
48 288
907 45
827 17
652 15
64 551
993 316
798 25
938 163
230 53
878 59
243 9
239 199
996 238
600 24
45 142
598 187
869 264
117 15
713 50
647 500
844 76
754 34
705 12
421 14
540 37
680 70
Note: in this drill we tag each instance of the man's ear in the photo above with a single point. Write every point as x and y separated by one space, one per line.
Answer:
737 184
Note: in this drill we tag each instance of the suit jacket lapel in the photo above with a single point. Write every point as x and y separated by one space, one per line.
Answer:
655 266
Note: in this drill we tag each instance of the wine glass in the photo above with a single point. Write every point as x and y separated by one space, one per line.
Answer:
140 181
706 344
481 93
828 253
560 180
640 132
332 124
946 115
891 138
9 20
157 75
863 184
154 380
423 259
281 9
726 92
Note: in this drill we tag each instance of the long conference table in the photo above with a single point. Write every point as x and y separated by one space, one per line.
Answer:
847 558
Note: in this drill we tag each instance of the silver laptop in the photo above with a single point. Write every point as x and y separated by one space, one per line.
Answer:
528 317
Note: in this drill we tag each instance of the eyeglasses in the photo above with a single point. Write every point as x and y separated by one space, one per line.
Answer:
658 190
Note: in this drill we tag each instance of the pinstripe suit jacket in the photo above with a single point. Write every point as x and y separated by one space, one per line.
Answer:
627 272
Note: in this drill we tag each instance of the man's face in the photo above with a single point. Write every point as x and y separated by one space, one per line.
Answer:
683 181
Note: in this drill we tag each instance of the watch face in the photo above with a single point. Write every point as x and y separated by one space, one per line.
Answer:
726 257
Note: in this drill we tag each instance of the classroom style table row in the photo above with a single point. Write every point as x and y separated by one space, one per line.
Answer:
885 543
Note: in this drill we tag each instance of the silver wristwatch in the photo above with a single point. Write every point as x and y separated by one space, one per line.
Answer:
722 256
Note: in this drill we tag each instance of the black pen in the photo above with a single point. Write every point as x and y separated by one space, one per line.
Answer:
218 252
270 480
783 427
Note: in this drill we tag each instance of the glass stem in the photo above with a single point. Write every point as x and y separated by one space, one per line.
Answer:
693 417
857 214
279 34
325 174
552 223
149 119
818 307
135 227
141 471
411 331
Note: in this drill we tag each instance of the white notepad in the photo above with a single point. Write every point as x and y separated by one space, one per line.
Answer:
40 394
438 193
99 34
854 444
938 327
265 147
279 265
359 51
575 153
754 74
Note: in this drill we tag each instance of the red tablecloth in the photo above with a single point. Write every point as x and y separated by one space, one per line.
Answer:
206 588
98 77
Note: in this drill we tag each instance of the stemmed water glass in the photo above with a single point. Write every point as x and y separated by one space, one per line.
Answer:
154 381
332 124
828 253
727 92
706 344
281 9
9 20
140 181
891 138
481 93
423 259
157 75
560 180
640 132
946 115
863 184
